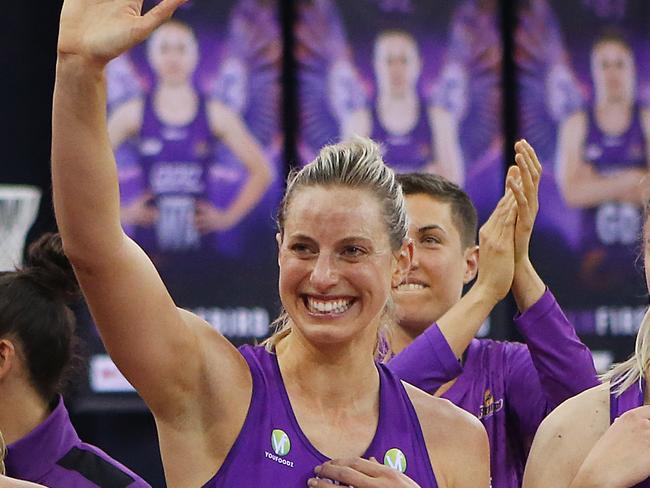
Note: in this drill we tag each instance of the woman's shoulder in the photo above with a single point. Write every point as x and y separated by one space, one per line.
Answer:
566 436
456 440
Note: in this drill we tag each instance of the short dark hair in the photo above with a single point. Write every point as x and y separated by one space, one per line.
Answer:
463 212
34 313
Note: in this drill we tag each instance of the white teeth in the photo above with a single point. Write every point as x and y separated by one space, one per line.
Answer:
410 287
330 306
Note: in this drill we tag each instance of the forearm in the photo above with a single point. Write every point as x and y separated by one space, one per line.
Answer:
251 193
461 322
585 191
84 176
563 363
527 286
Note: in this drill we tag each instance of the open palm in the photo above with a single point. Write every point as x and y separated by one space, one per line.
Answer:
100 30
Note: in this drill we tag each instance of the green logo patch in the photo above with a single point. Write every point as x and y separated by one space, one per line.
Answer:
395 458
280 442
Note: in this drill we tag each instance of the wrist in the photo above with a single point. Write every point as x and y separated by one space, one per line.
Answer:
70 64
527 286
485 293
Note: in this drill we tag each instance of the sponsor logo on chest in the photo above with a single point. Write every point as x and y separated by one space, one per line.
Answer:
490 405
281 447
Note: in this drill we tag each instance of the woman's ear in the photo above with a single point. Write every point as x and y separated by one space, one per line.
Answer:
471 263
7 357
403 263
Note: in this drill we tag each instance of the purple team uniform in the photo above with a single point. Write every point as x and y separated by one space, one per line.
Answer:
53 455
631 398
174 161
610 231
271 450
408 152
509 387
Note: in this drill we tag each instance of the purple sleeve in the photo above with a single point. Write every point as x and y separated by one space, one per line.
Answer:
564 364
428 362
555 366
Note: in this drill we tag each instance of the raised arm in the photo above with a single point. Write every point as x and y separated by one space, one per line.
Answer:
161 350
581 185
449 158
564 364
230 128
424 363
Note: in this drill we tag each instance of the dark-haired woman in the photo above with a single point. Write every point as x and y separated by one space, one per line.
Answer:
36 350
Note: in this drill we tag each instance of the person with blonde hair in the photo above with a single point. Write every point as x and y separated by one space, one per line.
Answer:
250 416
601 437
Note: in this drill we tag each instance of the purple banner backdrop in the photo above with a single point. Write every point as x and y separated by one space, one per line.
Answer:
194 117
422 77
583 86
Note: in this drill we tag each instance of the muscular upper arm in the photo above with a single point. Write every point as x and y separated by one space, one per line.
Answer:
163 351
570 165
448 158
231 129
565 438
125 121
457 442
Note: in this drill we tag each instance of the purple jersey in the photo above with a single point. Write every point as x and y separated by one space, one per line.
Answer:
174 160
407 152
53 455
618 405
509 387
271 449
610 231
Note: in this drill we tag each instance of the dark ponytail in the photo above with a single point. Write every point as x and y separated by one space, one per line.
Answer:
34 312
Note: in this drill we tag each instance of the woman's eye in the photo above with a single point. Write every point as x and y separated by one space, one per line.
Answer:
300 249
353 252
430 240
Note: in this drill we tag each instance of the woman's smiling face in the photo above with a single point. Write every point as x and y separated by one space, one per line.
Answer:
336 264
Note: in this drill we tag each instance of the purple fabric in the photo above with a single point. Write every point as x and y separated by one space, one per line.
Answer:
36 457
618 405
271 449
441 365
406 152
610 231
508 386
174 161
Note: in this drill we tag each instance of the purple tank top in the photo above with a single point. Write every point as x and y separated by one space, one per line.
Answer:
610 232
407 152
174 160
618 405
271 449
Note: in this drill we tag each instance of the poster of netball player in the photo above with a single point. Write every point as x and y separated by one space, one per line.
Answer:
584 80
194 118
421 77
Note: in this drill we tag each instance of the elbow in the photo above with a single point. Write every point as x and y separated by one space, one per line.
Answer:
572 197
264 174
